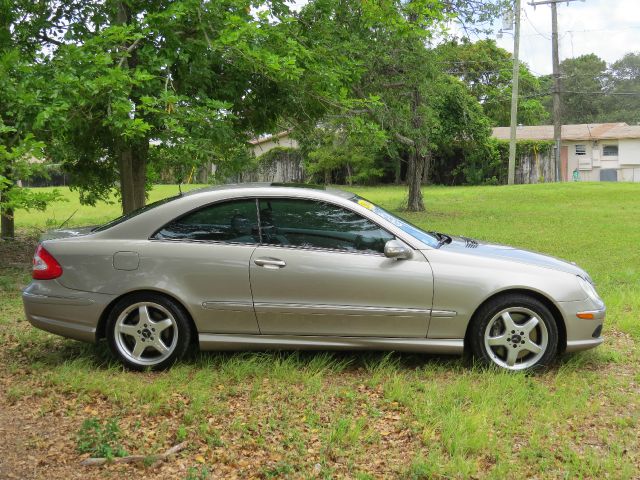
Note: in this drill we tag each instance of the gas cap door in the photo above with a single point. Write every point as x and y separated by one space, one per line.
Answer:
126 260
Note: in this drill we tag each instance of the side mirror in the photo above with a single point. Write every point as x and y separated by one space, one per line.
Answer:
396 249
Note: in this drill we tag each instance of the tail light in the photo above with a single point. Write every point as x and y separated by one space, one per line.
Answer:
45 267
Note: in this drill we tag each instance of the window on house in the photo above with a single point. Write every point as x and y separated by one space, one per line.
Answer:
581 149
610 150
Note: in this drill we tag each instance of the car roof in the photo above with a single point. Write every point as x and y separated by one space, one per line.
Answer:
270 185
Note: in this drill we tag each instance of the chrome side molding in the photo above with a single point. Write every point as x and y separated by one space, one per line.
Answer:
236 342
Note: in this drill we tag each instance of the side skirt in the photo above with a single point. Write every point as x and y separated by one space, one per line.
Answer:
212 341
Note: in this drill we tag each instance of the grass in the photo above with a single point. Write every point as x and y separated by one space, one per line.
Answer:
372 415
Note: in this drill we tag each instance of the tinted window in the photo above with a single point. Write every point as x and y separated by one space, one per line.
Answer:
223 222
306 223
425 237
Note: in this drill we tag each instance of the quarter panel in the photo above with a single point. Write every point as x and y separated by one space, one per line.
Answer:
211 280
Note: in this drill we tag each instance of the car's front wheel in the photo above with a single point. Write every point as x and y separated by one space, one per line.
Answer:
148 330
515 332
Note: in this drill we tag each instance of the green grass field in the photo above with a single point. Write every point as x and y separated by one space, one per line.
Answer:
328 415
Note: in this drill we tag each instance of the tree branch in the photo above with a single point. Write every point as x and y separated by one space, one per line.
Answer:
130 49
156 459
46 38
404 140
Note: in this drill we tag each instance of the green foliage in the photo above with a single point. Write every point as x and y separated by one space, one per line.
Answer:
197 473
594 92
176 84
21 98
487 70
100 438
400 104
623 77
350 146
581 75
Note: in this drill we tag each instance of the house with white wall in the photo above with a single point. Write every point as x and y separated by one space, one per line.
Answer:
599 151
261 145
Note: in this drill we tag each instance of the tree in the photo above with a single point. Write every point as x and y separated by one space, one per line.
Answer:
192 78
396 78
583 83
487 70
21 98
622 102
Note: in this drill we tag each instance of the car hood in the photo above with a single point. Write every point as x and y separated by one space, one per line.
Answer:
67 233
468 246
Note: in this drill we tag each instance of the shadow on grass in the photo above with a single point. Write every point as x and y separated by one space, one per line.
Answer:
48 351
40 350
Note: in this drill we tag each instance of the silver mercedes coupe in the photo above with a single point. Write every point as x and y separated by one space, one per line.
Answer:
268 266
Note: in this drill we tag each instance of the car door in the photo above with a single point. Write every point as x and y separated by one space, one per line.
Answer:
203 258
320 270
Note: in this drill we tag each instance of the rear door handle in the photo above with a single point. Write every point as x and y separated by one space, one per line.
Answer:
270 262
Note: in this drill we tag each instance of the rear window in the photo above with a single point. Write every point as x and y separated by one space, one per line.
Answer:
135 213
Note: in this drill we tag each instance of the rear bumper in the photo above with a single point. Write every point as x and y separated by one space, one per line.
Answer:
51 307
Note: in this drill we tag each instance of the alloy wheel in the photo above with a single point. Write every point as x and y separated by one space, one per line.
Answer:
146 333
516 338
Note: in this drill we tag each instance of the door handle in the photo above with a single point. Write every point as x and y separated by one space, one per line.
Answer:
269 262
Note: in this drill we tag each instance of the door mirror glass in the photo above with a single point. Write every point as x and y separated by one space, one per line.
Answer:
396 249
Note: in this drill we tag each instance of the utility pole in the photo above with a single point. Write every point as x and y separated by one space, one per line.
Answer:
557 114
514 96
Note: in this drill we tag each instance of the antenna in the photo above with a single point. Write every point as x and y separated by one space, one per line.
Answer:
69 218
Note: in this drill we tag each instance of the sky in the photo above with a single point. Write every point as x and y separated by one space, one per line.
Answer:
608 28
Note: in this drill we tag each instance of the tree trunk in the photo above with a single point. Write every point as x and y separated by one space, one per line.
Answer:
7 225
398 172
133 175
416 160
426 169
132 158
414 180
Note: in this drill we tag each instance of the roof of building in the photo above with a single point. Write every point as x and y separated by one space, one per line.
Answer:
583 131
269 138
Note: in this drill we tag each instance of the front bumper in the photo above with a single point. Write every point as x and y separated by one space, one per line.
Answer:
70 313
583 333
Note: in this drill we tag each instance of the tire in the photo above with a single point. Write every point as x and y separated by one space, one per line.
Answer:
515 332
148 331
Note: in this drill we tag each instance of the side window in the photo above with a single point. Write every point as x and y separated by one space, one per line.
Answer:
234 222
308 223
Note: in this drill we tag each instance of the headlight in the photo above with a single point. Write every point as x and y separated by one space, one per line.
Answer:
590 291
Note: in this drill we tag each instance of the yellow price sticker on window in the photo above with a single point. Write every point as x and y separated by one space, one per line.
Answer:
365 204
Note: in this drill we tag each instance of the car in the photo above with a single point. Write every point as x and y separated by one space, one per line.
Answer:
276 266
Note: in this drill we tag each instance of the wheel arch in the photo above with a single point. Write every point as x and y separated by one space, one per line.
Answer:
102 322
553 308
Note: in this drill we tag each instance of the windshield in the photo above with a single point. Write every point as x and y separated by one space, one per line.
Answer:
129 215
425 237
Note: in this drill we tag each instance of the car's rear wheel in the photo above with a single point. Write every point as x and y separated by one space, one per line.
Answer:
148 330
515 332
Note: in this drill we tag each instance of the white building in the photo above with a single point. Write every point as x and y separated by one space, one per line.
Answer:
262 145
599 151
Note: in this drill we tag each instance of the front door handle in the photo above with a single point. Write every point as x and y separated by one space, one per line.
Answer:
270 262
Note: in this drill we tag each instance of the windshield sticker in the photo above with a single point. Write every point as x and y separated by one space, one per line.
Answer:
365 204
